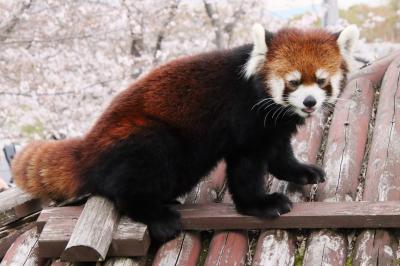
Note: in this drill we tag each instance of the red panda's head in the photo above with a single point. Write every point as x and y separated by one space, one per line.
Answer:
302 69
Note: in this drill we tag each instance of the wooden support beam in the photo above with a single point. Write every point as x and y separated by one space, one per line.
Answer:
15 204
129 238
93 232
359 214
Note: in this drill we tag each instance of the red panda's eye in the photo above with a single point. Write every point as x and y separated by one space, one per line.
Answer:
294 83
321 81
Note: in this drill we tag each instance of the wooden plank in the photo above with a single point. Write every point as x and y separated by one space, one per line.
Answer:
185 249
359 214
306 145
15 204
9 238
228 247
382 179
275 247
125 262
326 247
57 213
342 163
23 251
93 232
375 72
129 238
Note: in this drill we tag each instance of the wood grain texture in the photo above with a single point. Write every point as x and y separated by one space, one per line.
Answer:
360 214
93 232
185 249
275 247
15 204
129 238
124 262
227 247
375 72
6 240
57 213
382 179
24 250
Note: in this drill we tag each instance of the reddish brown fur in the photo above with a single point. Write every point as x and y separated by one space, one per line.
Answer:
305 51
48 169
52 168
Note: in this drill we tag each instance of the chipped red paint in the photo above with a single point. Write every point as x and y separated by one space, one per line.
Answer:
382 178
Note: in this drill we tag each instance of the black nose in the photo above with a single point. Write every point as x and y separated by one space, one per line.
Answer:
309 101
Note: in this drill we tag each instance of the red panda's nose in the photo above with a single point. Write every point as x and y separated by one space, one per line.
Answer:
309 101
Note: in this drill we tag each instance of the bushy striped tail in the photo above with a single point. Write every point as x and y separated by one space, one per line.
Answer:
48 169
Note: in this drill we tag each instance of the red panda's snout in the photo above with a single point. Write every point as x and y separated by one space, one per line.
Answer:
302 69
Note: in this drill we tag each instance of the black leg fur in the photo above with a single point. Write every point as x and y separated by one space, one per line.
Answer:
285 166
246 184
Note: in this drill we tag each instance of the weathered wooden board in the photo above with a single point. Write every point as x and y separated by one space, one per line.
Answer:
382 180
359 214
24 250
185 249
15 204
70 212
129 238
275 247
93 232
125 262
342 163
375 72
228 247
9 237
305 145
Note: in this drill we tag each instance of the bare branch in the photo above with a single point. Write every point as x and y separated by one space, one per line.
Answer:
215 22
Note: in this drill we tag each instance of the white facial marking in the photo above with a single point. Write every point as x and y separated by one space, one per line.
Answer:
346 42
277 86
257 56
335 84
321 74
294 75
297 97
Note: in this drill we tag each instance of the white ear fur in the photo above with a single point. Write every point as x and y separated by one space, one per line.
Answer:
347 39
257 56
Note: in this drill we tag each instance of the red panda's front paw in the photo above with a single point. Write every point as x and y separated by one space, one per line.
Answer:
270 206
310 174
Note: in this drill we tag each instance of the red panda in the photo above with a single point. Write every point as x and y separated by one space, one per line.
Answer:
170 128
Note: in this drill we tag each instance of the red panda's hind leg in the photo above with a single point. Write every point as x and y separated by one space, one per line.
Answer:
163 221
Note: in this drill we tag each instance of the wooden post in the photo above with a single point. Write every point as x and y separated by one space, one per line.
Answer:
92 235
129 238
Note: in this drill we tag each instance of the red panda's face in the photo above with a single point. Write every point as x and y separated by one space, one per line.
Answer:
302 69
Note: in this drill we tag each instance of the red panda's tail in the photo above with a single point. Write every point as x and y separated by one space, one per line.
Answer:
48 169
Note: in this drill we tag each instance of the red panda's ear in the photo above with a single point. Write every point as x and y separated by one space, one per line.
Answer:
347 38
258 53
346 41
